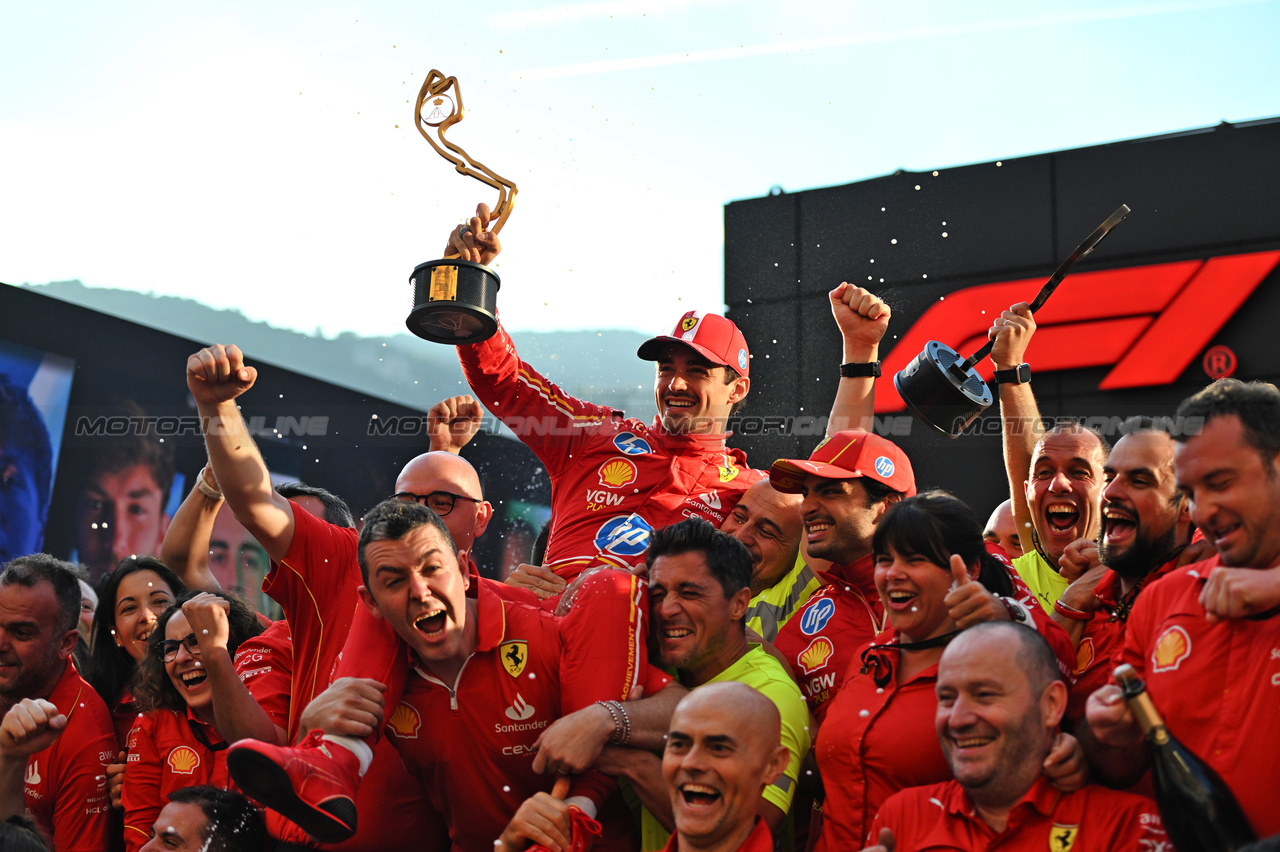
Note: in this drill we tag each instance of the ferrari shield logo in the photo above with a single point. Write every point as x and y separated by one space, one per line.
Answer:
1062 837
514 655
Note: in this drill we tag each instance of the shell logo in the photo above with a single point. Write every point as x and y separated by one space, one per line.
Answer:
184 760
1173 646
617 472
816 655
1084 655
404 722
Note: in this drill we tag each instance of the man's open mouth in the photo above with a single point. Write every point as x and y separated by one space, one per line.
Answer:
699 795
1117 523
1061 517
431 624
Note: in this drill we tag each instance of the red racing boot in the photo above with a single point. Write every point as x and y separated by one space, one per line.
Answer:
313 783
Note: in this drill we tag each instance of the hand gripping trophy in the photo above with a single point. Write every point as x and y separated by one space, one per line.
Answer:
454 300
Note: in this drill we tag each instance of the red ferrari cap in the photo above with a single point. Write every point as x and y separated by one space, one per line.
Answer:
711 335
848 455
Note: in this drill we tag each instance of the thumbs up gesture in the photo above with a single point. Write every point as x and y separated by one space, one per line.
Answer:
969 602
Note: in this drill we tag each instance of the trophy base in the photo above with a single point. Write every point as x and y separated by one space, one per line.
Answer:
938 393
454 302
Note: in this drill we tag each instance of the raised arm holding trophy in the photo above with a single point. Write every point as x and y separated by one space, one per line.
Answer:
455 300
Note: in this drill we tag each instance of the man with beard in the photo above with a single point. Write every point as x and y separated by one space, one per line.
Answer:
999 704
1146 524
1055 476
1199 670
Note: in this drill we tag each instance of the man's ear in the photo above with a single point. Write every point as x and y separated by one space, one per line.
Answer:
777 765
1053 703
366 598
885 505
67 643
739 603
741 387
484 514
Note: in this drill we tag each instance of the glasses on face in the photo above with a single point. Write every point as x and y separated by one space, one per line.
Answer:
440 502
169 648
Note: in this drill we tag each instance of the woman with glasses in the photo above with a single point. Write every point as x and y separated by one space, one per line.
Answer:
175 742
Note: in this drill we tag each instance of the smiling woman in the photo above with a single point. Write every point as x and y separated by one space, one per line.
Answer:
135 596
175 741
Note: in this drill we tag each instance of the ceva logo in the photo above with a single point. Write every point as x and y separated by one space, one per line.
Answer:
1149 321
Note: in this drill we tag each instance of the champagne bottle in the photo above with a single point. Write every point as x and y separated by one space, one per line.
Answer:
1197 808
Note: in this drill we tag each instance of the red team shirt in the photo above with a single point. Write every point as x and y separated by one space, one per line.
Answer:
1103 639
759 840
264 665
613 480
167 751
315 584
470 743
825 635
1092 819
875 741
1217 685
65 787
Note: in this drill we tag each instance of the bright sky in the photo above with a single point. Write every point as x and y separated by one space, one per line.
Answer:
262 156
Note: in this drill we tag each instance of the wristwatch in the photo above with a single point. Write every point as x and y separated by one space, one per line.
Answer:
859 371
1019 375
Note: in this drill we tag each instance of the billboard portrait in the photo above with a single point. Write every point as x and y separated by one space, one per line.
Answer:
34 390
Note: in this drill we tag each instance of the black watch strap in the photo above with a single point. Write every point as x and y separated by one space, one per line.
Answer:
1019 375
860 371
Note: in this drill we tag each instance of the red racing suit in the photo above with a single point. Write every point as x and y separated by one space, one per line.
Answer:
614 480
826 635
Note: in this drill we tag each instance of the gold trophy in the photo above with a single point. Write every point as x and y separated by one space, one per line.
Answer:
454 301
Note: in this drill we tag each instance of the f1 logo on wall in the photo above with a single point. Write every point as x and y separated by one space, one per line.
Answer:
1149 321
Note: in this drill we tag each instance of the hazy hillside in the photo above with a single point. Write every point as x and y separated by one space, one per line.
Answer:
599 366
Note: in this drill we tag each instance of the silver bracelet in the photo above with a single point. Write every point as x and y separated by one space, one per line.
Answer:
621 722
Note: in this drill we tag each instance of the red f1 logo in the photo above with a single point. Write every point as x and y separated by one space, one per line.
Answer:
1149 321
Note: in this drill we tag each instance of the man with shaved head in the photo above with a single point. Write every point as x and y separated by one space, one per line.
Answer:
1001 530
1000 702
723 750
1055 476
768 522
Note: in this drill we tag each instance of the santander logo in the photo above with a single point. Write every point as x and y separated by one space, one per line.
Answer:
519 709
1149 321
